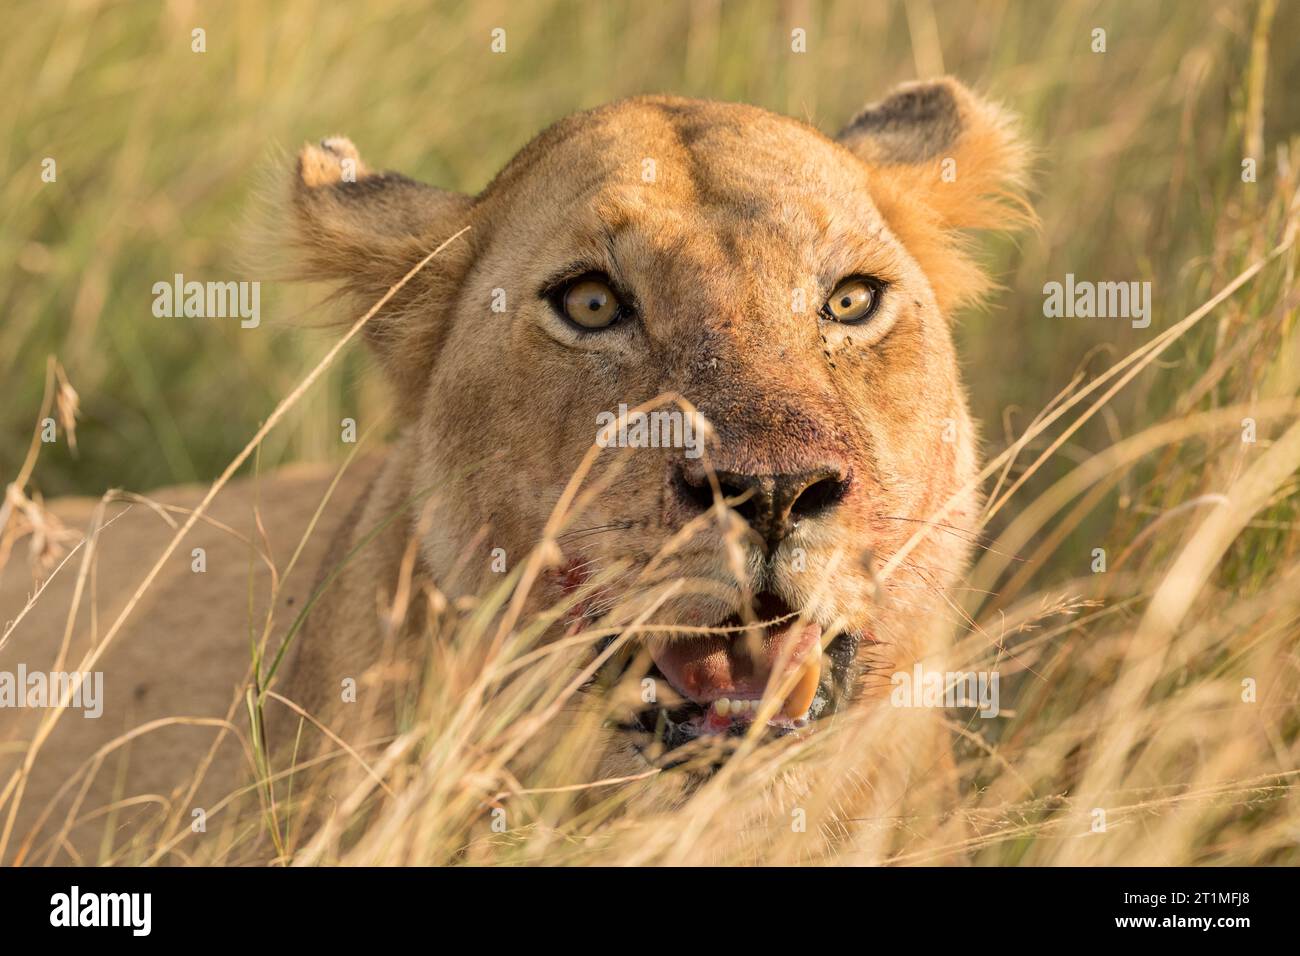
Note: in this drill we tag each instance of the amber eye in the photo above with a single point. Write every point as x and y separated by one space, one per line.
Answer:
853 300
590 303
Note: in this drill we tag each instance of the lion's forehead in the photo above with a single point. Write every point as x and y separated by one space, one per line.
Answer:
729 203
696 163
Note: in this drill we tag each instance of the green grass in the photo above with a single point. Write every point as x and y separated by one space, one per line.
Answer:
162 154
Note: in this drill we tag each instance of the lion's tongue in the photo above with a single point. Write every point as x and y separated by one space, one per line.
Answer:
740 666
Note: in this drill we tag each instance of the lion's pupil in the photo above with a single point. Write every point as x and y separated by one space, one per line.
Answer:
845 302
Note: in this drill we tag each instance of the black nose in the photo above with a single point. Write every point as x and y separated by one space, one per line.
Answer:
772 504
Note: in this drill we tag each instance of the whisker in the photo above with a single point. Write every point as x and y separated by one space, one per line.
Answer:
975 538
594 529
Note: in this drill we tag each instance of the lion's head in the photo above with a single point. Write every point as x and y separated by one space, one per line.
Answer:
792 291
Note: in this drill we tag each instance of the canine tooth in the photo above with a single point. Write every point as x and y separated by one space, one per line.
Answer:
722 706
801 695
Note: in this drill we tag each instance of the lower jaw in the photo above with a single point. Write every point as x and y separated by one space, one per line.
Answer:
674 731
659 731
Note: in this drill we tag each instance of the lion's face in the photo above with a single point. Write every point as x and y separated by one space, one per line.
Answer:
789 294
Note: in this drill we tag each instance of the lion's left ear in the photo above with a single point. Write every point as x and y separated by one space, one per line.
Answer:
943 160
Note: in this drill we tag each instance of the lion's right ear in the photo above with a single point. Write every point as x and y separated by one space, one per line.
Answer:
365 231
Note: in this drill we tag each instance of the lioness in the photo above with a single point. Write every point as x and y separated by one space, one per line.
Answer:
788 293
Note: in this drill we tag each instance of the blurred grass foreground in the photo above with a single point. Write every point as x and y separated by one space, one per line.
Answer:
1173 157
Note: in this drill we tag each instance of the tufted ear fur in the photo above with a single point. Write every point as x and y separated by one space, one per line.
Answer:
365 231
943 160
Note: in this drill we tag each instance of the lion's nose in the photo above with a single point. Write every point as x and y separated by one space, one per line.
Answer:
772 504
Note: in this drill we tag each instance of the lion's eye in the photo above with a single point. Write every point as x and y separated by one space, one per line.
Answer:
853 300
591 303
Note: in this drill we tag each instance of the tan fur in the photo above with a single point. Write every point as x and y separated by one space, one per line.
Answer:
183 653
744 207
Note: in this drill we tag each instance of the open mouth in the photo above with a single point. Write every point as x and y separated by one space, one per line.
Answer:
770 667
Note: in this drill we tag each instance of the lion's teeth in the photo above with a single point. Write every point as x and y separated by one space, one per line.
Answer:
805 688
726 707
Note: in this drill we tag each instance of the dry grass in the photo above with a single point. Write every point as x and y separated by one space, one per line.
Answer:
1122 691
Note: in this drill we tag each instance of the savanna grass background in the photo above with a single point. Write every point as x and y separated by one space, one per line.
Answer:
1126 689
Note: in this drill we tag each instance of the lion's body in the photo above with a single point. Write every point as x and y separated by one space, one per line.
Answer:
183 653
728 226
